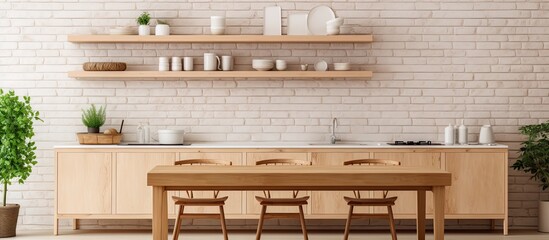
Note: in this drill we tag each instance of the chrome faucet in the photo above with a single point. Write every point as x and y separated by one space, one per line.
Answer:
333 138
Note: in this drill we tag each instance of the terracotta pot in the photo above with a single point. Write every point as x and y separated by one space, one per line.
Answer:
543 225
8 218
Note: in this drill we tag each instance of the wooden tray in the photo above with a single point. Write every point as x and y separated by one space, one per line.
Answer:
98 138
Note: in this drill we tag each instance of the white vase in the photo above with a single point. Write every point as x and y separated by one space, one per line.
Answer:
144 30
162 30
543 215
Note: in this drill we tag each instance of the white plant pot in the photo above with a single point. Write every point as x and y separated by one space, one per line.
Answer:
543 225
144 30
162 30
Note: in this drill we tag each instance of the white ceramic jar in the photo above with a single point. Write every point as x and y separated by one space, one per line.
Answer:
162 30
171 136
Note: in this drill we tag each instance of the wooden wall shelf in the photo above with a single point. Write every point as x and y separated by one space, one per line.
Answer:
219 39
219 74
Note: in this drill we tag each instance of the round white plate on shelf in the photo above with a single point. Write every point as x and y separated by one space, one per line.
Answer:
317 18
321 66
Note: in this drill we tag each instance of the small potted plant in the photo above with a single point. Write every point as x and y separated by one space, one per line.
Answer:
534 159
17 152
162 28
143 21
94 118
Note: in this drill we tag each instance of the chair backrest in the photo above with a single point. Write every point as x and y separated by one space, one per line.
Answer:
371 162
202 162
282 162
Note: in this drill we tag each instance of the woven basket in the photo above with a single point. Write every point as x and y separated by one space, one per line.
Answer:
104 66
8 220
99 138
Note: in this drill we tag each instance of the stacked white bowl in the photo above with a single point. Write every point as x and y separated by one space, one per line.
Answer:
262 64
342 66
164 64
281 65
332 26
217 26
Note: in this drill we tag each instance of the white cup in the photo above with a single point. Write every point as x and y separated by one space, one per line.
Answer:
281 65
211 62
188 63
217 21
227 63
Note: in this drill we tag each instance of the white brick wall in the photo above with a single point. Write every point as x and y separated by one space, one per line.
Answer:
435 61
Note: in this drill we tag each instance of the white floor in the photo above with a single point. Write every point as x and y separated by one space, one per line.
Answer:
249 235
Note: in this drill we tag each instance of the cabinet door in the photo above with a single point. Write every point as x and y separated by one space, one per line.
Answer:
406 203
478 183
234 203
133 196
84 183
253 206
331 202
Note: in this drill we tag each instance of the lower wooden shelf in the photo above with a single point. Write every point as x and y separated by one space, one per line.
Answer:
105 75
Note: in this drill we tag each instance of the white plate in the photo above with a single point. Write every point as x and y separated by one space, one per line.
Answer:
272 21
297 24
321 66
318 16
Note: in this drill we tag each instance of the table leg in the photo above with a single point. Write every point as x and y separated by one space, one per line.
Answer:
438 198
421 212
160 214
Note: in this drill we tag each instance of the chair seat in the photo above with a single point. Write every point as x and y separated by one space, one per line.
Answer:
370 201
283 201
200 201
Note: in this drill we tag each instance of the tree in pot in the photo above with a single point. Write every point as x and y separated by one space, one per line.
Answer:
94 118
16 152
534 159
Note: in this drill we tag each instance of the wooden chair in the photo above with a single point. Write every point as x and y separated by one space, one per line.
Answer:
357 200
191 201
267 200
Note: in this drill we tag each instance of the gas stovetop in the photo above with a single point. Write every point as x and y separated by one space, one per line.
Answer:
414 143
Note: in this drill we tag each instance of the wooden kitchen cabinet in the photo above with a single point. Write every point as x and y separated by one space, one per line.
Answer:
479 183
84 183
252 206
406 204
233 205
133 196
332 202
110 183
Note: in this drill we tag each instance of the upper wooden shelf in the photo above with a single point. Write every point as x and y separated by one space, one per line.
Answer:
219 39
219 74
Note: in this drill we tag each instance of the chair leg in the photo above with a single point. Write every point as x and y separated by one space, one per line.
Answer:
348 223
392 222
302 220
177 226
223 224
260 223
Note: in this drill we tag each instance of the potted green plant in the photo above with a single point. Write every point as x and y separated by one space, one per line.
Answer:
94 118
17 152
143 20
534 159
162 28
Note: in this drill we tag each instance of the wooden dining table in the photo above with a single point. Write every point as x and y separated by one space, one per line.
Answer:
312 178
